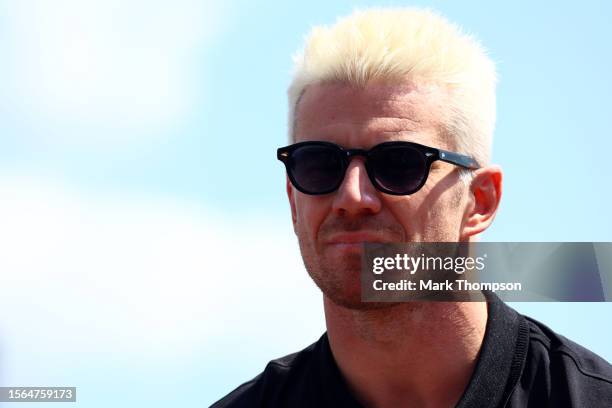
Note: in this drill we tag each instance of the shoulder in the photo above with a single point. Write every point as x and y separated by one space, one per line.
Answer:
563 372
559 347
271 385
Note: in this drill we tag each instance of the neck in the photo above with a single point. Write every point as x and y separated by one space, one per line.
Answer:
407 354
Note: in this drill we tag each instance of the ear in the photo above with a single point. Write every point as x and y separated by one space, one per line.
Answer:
291 196
485 195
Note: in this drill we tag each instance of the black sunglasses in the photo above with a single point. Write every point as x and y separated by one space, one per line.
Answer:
398 168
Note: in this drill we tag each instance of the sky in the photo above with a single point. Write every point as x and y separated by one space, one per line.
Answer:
146 248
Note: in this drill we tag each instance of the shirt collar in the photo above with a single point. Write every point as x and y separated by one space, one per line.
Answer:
501 358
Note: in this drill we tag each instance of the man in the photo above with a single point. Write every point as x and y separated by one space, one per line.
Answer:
412 78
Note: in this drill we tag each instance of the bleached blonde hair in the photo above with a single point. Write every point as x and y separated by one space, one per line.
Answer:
405 44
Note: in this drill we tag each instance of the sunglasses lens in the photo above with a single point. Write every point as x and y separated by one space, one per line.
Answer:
399 169
316 169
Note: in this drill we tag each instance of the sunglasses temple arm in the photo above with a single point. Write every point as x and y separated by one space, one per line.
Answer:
458 159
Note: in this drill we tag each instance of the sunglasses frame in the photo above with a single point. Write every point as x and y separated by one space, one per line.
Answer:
430 155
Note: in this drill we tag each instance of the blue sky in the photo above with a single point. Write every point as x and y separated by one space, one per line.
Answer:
121 215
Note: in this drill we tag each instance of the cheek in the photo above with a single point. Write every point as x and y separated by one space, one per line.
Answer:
427 215
405 211
311 211
442 215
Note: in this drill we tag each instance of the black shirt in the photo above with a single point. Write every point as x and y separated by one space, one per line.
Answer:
522 363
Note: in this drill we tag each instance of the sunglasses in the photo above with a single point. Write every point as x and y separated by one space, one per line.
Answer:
397 168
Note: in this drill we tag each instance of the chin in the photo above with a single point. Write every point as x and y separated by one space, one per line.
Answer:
338 276
346 292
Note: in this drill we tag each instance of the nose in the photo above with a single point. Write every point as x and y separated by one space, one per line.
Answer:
356 194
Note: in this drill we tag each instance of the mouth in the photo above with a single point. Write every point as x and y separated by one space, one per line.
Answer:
354 240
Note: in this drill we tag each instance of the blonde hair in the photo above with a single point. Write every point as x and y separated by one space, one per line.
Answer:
400 44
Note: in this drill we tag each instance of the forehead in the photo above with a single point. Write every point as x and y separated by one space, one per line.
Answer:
365 116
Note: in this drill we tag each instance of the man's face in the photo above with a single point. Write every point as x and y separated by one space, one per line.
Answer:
332 227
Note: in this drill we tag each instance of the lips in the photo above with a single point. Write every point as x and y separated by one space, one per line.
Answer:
352 238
